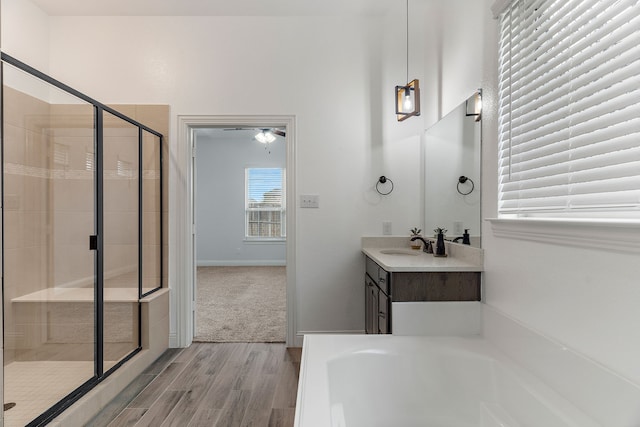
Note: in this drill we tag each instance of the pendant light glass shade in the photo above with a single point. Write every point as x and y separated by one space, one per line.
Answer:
408 100
474 105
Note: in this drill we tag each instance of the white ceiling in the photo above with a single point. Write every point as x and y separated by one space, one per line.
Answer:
217 7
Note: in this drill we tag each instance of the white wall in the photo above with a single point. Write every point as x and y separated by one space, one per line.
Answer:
25 33
585 298
331 72
221 160
336 75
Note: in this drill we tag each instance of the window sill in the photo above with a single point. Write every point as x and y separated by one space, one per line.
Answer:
611 235
264 241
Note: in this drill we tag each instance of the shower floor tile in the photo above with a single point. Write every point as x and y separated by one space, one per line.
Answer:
36 386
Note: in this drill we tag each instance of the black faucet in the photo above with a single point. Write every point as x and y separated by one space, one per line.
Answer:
428 248
465 238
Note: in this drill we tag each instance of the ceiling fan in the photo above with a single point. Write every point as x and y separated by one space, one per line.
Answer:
264 135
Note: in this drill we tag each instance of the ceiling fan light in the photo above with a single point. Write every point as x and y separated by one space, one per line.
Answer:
265 137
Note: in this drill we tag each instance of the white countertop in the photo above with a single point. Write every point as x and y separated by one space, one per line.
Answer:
460 257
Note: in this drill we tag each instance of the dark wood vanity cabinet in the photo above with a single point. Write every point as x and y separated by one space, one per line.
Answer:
383 287
436 286
377 299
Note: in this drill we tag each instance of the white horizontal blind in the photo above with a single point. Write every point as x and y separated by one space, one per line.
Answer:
569 108
265 203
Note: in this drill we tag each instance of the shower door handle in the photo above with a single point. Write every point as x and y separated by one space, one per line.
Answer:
93 242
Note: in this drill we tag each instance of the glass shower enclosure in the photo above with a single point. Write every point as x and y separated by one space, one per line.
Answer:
81 240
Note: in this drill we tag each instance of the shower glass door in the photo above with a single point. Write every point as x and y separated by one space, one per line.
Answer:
49 188
151 213
121 238
81 240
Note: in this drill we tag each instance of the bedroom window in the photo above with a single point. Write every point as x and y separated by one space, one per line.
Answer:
569 109
265 204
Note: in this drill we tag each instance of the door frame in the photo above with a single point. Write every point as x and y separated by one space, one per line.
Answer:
182 263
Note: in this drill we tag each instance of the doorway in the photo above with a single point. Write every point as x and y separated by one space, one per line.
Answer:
182 260
240 234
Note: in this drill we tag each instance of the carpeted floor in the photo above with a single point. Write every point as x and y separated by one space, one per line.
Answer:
241 304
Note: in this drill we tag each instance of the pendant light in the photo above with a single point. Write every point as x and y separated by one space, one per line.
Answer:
407 96
473 105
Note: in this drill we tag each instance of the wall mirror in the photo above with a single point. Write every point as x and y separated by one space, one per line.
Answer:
452 172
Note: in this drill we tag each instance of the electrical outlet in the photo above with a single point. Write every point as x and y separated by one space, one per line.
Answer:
309 201
457 227
386 228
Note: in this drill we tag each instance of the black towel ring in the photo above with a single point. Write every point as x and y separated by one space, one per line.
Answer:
462 180
382 180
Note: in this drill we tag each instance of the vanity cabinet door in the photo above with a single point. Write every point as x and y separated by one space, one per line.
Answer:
371 306
384 314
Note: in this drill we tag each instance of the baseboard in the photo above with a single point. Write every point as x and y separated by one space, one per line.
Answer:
242 263
173 340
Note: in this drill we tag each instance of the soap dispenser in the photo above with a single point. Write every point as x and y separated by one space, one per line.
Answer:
465 237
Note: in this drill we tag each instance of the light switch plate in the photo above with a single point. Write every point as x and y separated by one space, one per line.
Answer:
309 201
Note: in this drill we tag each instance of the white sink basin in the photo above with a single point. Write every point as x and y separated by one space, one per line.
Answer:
403 252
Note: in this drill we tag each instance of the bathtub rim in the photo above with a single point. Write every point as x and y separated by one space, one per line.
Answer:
313 403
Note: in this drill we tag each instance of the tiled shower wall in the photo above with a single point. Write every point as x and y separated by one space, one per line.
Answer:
157 118
28 216
49 214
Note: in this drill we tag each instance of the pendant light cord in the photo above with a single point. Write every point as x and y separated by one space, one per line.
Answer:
407 41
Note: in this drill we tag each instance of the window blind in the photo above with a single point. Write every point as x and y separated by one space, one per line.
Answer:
264 187
265 203
569 108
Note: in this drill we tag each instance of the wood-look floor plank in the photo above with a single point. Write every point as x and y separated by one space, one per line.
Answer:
287 389
180 416
129 417
196 389
225 350
234 409
258 410
275 355
293 354
282 417
195 368
153 391
187 354
248 372
160 410
161 362
121 401
205 418
225 380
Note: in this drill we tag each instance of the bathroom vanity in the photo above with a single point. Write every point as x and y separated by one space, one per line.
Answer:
396 273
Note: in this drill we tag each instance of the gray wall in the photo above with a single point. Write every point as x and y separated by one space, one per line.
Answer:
221 159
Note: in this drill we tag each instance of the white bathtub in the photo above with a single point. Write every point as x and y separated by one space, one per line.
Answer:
383 380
